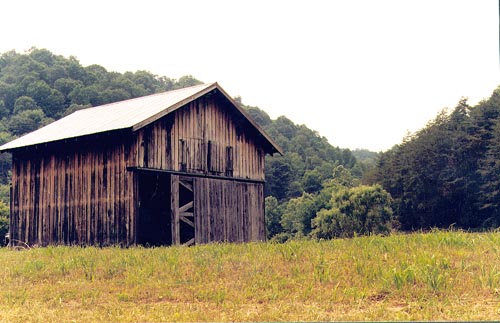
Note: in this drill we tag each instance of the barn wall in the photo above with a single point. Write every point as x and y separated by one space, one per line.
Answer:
204 137
228 211
79 193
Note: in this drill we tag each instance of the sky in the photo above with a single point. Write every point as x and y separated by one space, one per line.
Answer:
362 73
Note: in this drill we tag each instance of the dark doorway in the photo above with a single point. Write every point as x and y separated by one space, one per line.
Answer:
154 223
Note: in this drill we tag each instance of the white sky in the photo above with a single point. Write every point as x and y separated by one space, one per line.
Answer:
360 72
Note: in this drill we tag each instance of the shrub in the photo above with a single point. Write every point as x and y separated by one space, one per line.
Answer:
360 210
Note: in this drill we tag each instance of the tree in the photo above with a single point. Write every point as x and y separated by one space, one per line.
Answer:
3 110
66 85
360 210
273 212
43 56
128 87
150 82
312 181
83 95
4 221
24 103
8 94
259 116
4 229
279 177
39 91
108 95
297 216
490 173
441 175
54 104
27 121
186 81
75 107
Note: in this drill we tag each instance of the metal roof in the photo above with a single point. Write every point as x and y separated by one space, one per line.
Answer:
134 113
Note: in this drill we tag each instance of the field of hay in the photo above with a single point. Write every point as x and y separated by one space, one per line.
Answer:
423 276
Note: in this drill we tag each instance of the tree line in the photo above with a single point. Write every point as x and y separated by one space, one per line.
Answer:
448 173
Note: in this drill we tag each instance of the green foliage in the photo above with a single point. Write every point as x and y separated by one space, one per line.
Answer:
4 229
24 103
447 173
75 107
361 210
4 221
308 161
273 213
341 208
4 209
5 196
297 216
27 121
54 82
258 115
312 181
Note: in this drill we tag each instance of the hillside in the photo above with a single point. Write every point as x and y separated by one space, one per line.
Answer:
448 173
438 276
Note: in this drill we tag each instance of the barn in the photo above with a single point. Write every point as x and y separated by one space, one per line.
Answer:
180 167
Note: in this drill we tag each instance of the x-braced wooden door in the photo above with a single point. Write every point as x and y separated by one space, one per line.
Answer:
183 212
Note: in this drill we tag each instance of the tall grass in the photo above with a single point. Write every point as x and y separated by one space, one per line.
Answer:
422 276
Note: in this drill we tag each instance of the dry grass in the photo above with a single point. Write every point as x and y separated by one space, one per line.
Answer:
433 276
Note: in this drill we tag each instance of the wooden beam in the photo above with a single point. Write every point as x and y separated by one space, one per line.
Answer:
186 207
189 243
185 220
174 209
234 179
187 185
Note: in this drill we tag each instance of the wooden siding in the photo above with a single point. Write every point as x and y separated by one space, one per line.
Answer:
82 196
198 138
84 192
228 211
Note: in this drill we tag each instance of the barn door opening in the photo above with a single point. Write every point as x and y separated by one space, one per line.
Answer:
154 222
183 213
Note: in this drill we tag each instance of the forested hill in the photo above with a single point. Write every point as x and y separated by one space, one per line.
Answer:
308 162
448 173
38 87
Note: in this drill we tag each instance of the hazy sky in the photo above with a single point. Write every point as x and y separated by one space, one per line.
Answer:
360 72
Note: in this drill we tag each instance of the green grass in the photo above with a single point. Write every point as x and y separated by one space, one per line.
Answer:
423 276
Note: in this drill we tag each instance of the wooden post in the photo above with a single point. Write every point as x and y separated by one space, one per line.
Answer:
174 209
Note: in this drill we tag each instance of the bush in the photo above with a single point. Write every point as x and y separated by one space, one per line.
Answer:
360 210
4 228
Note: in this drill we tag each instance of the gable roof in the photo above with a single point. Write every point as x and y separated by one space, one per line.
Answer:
134 114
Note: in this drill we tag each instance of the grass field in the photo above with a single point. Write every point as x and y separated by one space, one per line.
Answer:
423 276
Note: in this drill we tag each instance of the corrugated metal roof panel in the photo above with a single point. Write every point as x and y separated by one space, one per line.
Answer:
113 116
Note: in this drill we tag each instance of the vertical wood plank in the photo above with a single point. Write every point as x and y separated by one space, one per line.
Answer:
174 209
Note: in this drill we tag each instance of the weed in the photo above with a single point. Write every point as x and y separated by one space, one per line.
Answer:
422 276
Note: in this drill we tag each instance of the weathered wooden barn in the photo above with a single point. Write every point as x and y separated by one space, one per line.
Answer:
179 167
